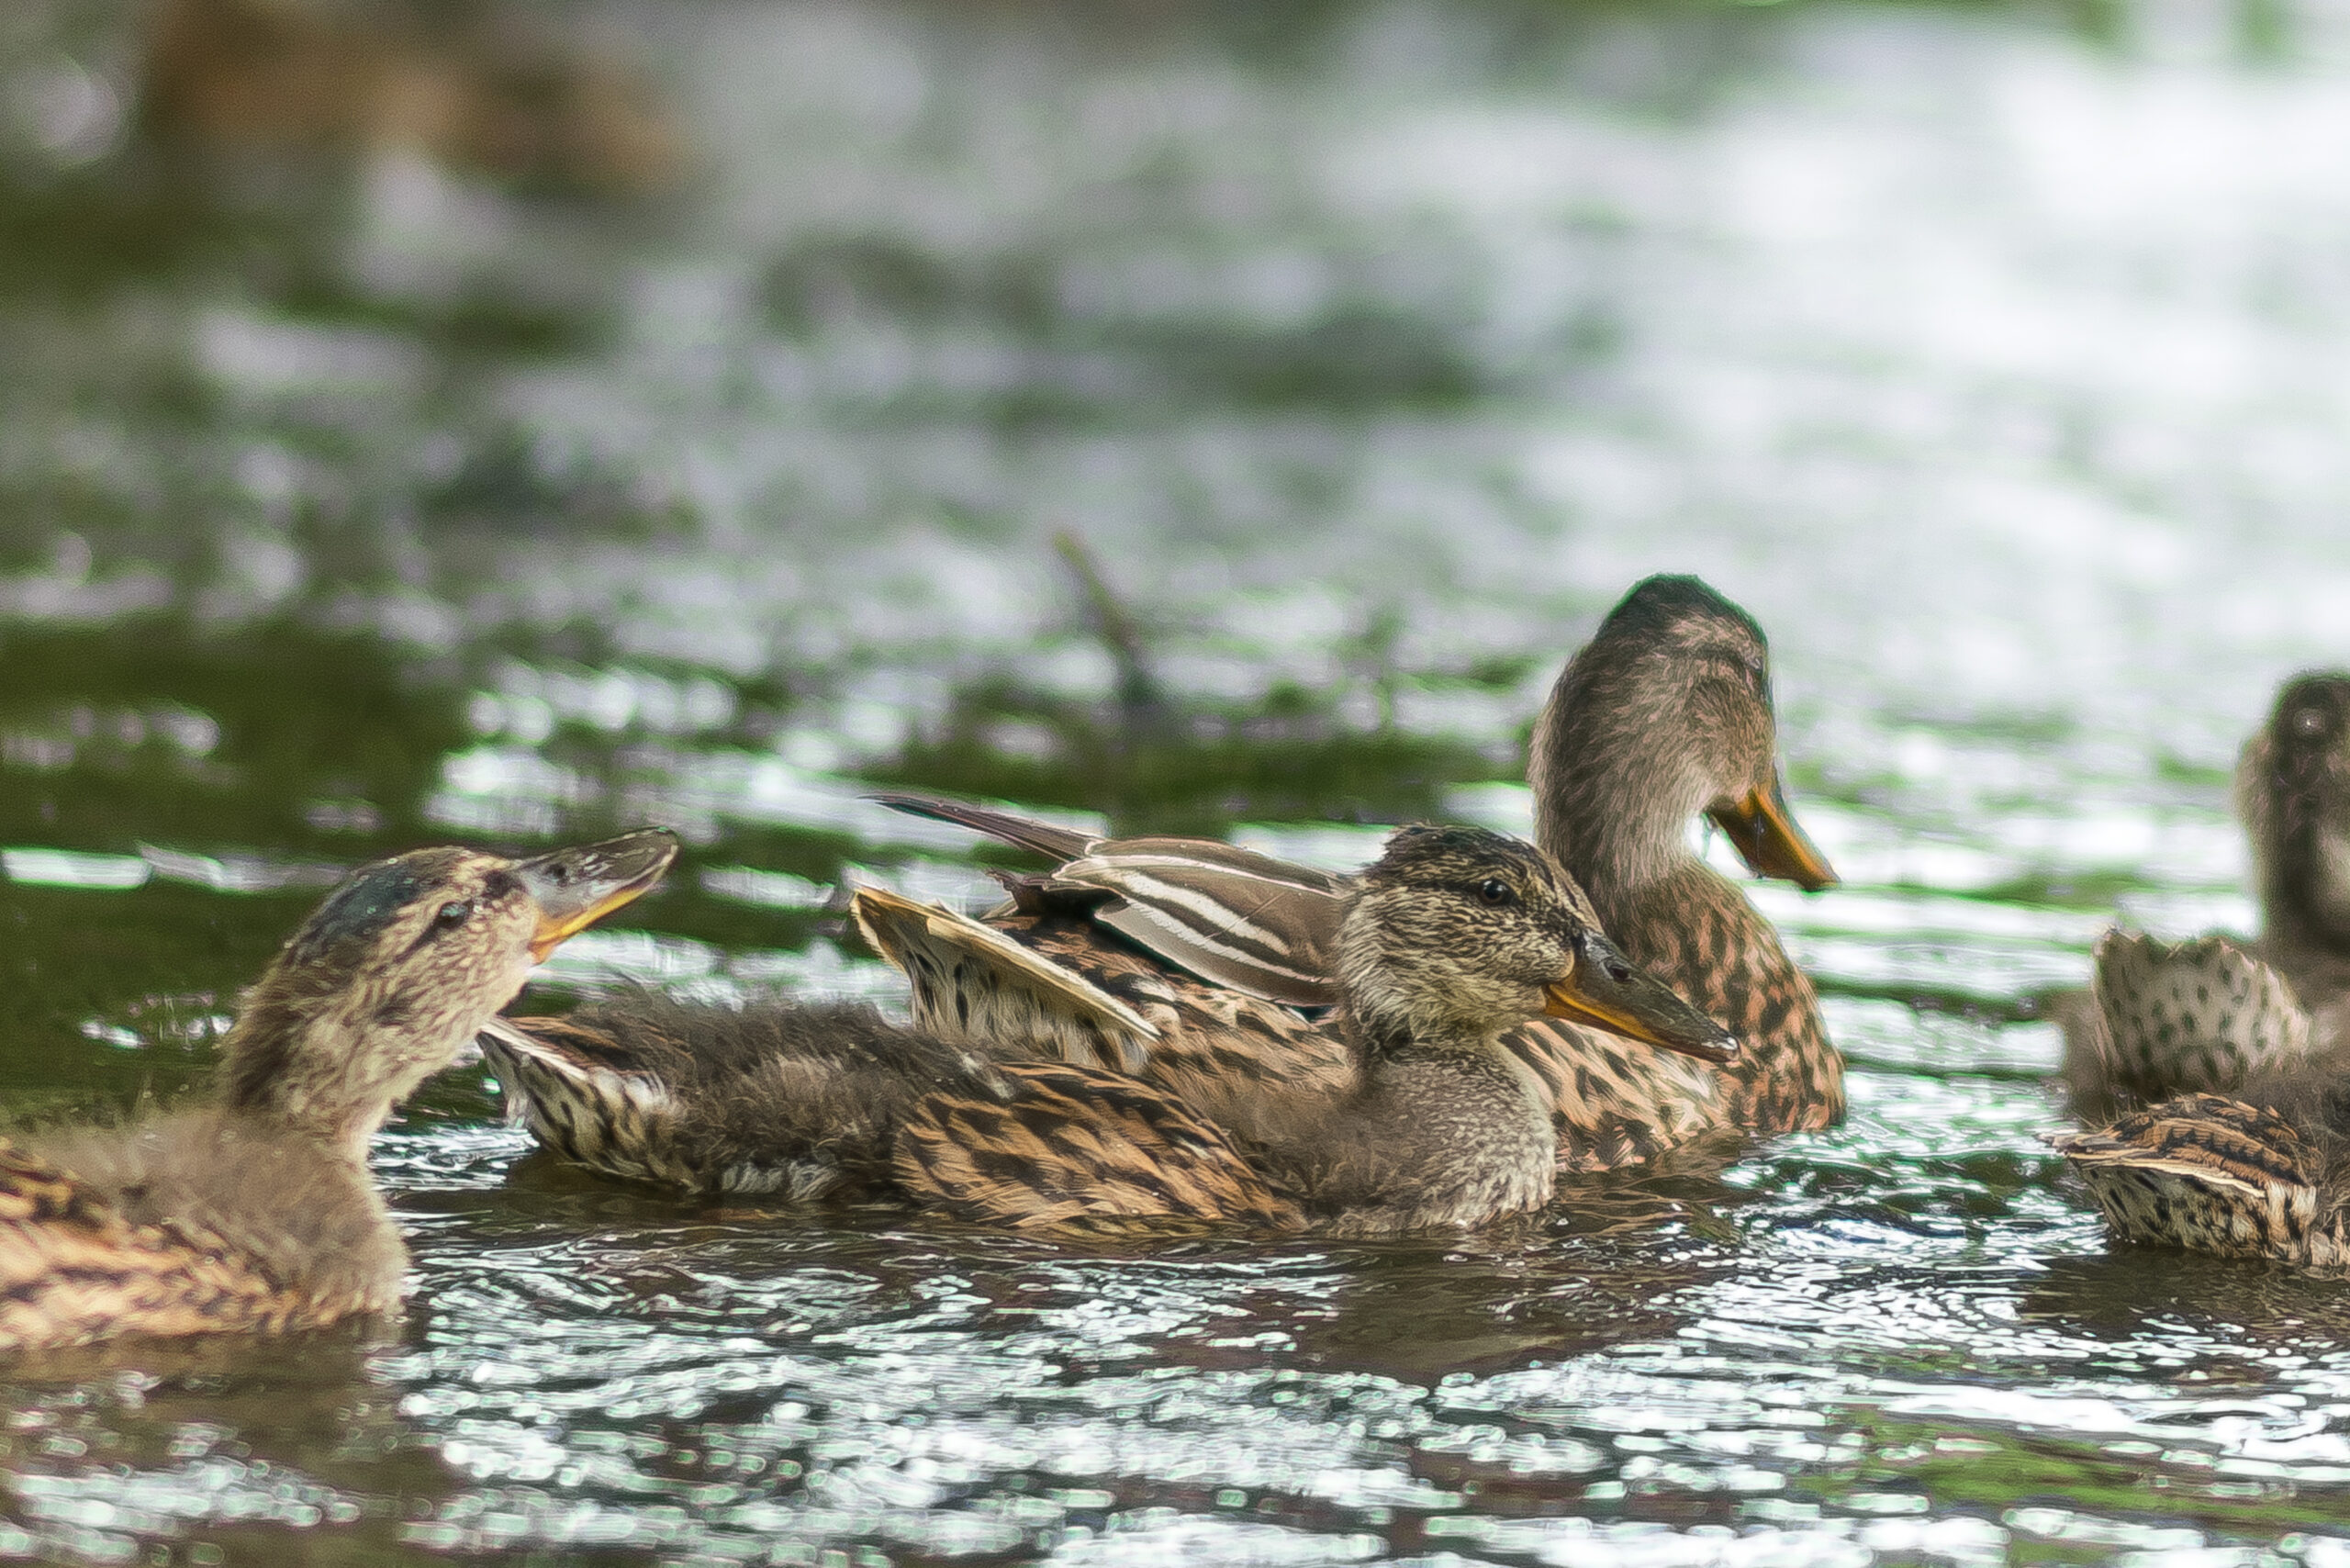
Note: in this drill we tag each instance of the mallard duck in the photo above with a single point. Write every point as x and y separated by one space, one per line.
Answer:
257 1213
2216 1015
2260 1176
1452 937
1664 714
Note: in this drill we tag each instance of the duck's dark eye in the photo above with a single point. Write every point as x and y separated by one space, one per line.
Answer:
1494 893
2309 720
453 914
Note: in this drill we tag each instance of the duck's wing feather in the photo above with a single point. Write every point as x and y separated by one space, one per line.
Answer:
1235 1059
2210 1174
74 1269
1231 916
2204 1016
976 987
1048 839
1075 1145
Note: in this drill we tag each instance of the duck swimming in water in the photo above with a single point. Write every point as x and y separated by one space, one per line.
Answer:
2215 1015
257 1213
2236 1051
1449 939
2262 1174
1665 715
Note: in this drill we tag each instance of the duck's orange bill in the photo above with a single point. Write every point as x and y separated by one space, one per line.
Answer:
575 888
1766 836
1609 991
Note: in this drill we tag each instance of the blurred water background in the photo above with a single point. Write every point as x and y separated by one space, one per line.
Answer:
508 422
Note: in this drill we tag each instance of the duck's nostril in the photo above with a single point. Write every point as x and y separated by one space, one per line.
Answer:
1619 973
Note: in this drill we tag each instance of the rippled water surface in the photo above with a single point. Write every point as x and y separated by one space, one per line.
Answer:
364 485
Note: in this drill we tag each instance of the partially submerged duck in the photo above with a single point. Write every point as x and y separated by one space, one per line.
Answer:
2263 1177
1665 714
2216 1015
257 1213
1449 939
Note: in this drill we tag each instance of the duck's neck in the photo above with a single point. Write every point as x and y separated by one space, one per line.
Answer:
2301 856
320 1067
2305 893
1613 794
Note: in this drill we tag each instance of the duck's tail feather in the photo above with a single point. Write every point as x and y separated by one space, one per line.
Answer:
581 1094
2194 1016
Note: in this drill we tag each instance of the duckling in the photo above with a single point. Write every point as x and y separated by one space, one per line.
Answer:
1665 714
1452 937
257 1213
2216 1015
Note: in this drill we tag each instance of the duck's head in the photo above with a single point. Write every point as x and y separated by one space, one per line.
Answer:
2293 791
405 960
1664 714
1455 935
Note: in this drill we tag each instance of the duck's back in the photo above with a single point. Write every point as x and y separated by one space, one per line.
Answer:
1080 1146
1223 1053
801 1101
200 1222
2257 1177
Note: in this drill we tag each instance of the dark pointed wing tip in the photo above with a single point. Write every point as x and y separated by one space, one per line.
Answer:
929 806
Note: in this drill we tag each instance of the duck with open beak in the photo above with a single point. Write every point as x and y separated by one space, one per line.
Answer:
256 1213
575 888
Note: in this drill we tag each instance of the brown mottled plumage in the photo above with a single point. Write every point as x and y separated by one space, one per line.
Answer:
2215 1014
1453 937
1664 714
2258 1178
258 1214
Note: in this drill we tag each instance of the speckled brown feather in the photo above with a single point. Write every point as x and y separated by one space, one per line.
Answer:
1619 771
1454 934
1232 1058
2210 1174
2163 1019
1697 932
972 986
1078 1145
73 1270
